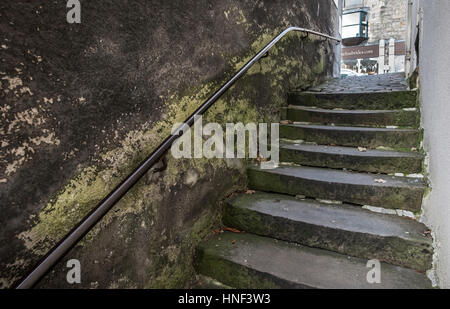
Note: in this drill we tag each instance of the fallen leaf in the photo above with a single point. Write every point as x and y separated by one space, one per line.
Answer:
414 149
286 122
217 231
230 229
233 241
250 192
362 149
380 181
261 159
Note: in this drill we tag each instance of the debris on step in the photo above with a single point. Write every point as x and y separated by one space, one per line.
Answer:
396 212
415 176
380 181
384 148
380 210
329 202
286 122
406 214
232 230
261 159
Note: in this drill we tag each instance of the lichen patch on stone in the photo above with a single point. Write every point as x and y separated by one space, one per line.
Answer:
14 82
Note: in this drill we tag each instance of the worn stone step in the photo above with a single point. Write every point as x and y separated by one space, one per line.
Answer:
355 100
379 118
247 261
375 161
344 228
337 185
351 136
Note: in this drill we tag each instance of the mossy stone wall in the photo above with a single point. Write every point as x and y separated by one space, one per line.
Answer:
82 104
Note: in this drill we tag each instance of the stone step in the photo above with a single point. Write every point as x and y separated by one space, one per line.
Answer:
355 100
345 229
247 261
375 161
351 187
378 118
351 136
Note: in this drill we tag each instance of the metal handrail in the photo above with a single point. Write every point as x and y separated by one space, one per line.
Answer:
90 220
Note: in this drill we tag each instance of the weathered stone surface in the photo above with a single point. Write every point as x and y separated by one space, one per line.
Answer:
351 136
83 104
342 228
379 83
329 228
374 118
358 188
355 100
367 83
394 11
374 161
249 261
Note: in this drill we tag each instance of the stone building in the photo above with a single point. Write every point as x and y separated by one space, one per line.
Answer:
387 19
374 33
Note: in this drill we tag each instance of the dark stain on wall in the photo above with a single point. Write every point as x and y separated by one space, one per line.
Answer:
82 104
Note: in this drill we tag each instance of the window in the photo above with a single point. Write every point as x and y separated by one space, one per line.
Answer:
353 3
355 24
351 19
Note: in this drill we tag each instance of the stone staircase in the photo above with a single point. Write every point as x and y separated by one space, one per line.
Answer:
305 226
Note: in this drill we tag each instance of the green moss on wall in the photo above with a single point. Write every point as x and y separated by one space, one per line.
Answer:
257 97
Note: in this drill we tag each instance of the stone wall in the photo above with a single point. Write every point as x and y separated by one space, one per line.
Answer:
82 104
387 19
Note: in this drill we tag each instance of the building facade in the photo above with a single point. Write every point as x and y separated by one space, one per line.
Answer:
374 34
